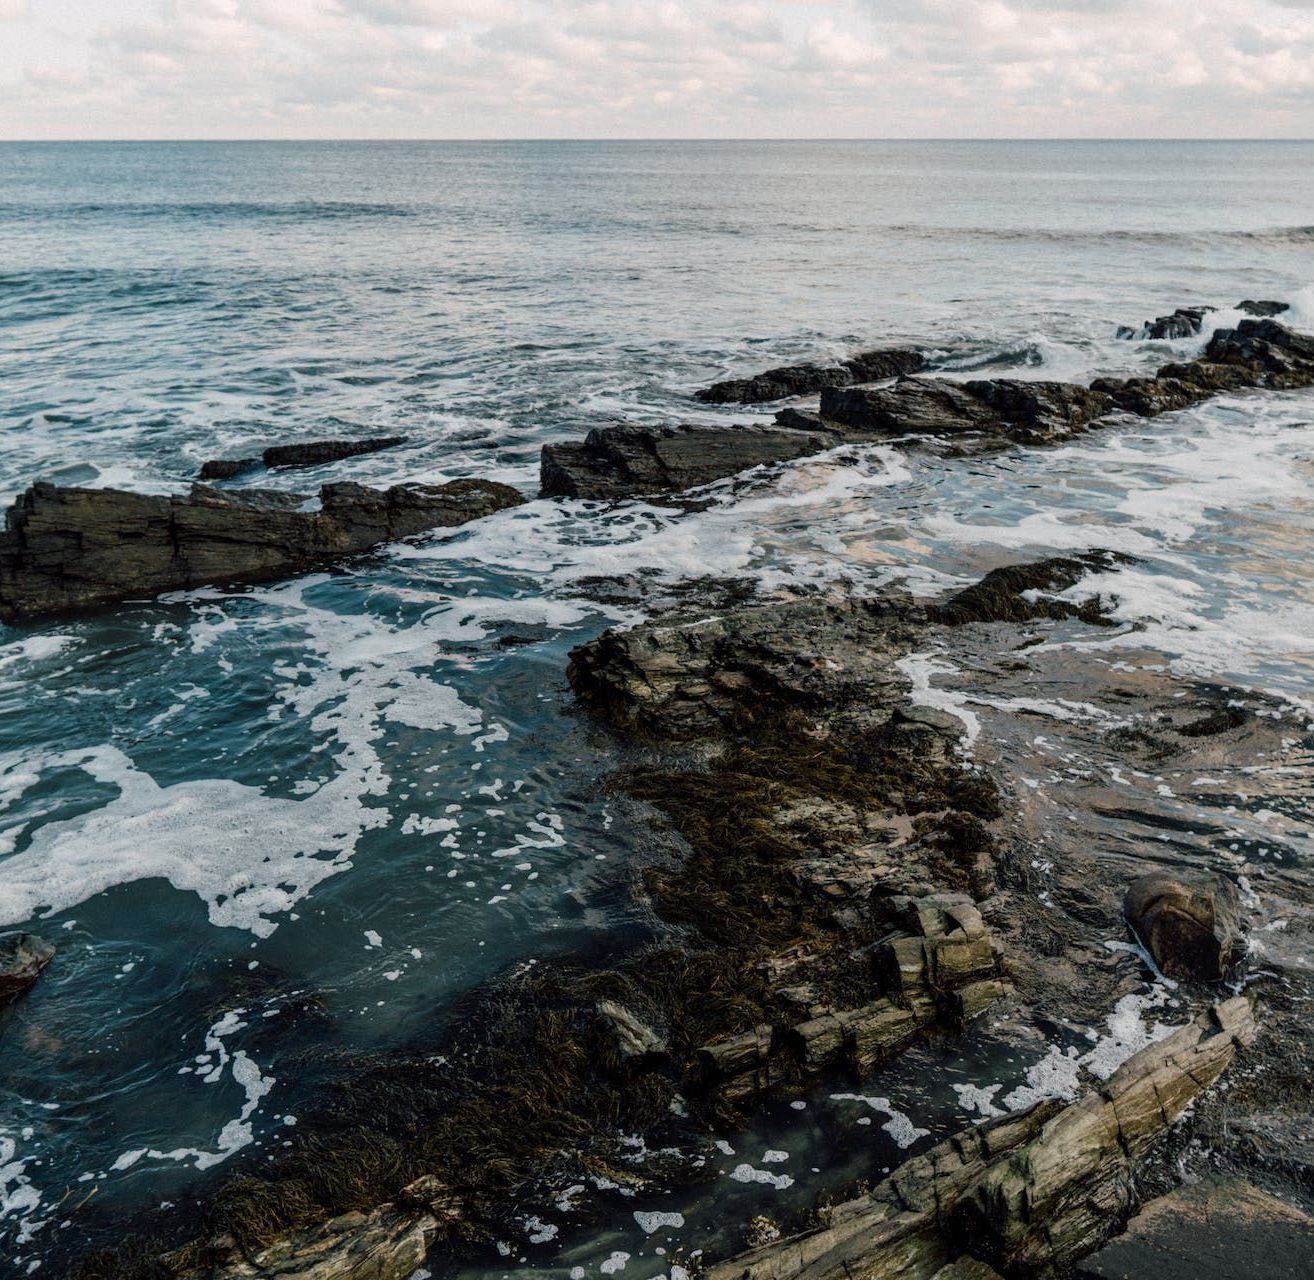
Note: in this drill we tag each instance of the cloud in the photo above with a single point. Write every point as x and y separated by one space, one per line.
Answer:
527 68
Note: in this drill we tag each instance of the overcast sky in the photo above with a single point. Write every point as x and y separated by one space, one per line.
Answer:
660 68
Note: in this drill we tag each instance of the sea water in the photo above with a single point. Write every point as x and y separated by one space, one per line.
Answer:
270 829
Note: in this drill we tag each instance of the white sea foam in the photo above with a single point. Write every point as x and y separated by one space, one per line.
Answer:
898 1124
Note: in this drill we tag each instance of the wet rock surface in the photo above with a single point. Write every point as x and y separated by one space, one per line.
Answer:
23 958
622 461
1186 322
831 886
1028 1193
311 453
616 462
1190 927
1220 1229
65 549
805 379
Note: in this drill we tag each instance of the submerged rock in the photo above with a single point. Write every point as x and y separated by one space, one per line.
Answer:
1191 929
311 453
1216 1230
23 957
67 548
1025 1194
616 462
805 379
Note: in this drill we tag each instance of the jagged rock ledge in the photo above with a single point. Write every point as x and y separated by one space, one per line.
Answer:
1187 322
1026 1194
310 453
805 379
624 461
64 549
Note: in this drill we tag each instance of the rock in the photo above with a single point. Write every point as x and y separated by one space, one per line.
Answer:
1216 1230
68 548
1032 412
1275 356
1191 929
1263 308
913 406
387 1243
619 462
314 453
633 1039
23 956
967 1269
1149 397
1018 592
226 468
805 379
1025 1194
682 677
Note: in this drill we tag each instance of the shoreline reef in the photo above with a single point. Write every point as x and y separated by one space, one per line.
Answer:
841 871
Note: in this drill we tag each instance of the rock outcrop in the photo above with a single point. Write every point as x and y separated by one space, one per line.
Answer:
311 453
1186 322
1191 929
23 957
807 379
389 1242
617 462
1219 1229
66 548
1026 1194
624 461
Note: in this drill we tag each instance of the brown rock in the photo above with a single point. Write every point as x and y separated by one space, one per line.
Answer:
23 957
1190 928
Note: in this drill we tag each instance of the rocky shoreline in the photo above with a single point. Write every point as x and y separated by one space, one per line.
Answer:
836 880
840 883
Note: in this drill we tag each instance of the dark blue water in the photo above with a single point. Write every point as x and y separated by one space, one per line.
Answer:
265 826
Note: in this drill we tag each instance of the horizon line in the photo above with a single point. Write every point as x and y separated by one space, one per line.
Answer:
135 141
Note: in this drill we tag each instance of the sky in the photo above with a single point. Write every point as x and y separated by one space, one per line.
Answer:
655 68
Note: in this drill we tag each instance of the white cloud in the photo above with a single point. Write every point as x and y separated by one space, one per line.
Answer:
571 68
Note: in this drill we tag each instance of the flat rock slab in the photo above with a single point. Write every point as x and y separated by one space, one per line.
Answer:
65 549
1217 1230
806 379
310 453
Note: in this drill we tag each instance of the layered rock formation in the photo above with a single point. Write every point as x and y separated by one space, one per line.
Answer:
1026 1194
66 548
806 379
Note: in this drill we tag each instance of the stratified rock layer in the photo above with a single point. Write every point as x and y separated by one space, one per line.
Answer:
1026 1194
66 548
805 379
309 453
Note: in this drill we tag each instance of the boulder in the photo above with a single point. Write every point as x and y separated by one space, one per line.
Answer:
1264 307
807 379
1215 1230
23 956
1024 1194
1275 357
1025 592
622 461
68 548
311 453
1191 928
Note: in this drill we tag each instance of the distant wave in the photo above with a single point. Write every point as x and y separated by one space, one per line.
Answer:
1056 235
206 210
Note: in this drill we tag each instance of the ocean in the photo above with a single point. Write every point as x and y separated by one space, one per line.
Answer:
274 828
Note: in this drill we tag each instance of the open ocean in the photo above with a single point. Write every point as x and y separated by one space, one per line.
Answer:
272 827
